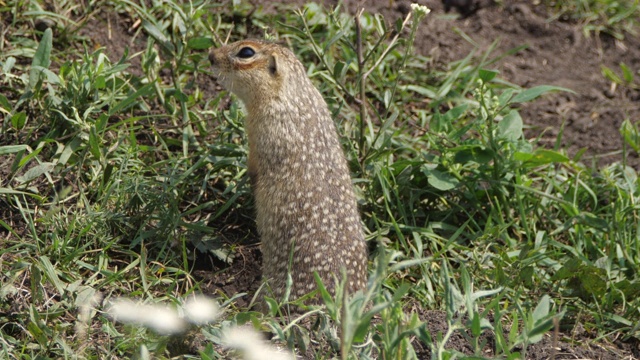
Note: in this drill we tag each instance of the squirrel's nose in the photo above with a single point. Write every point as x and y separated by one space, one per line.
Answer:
212 58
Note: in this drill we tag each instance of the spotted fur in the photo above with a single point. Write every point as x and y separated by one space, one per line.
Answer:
304 197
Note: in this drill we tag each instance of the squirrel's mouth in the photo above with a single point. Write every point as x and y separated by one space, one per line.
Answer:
217 75
223 81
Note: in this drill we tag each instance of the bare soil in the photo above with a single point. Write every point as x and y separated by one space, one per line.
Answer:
557 54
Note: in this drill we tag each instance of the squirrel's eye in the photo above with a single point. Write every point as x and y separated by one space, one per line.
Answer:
246 52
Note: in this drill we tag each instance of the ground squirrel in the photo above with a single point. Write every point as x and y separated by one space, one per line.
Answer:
303 193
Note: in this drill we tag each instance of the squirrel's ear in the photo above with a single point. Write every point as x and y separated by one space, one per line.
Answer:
273 64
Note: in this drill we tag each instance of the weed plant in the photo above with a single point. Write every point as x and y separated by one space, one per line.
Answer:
112 180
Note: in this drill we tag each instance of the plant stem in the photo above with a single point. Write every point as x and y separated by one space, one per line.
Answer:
363 79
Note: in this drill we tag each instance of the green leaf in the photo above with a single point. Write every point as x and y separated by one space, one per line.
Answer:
540 157
35 172
542 310
37 333
476 330
504 98
50 271
629 289
620 320
43 52
324 293
10 149
18 120
328 44
610 75
5 104
421 90
487 75
69 149
362 330
440 180
338 69
627 73
143 91
484 293
444 122
101 123
405 264
568 270
387 98
101 82
475 153
401 291
534 92
272 305
593 281
591 220
630 135
510 127
8 64
513 332
200 43
41 58
538 330
51 77
455 113
94 143
155 33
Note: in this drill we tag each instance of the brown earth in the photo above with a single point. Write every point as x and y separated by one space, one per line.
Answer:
557 54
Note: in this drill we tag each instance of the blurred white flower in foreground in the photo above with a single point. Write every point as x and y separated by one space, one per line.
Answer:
252 347
197 310
87 299
163 319
201 310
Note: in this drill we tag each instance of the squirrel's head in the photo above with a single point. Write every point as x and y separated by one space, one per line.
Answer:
254 70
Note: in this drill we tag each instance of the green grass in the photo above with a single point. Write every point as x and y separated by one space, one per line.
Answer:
108 179
616 18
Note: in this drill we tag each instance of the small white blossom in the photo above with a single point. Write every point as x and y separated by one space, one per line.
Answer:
420 10
124 310
86 310
252 347
201 310
157 317
163 320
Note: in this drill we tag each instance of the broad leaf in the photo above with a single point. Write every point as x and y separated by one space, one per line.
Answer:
534 92
510 127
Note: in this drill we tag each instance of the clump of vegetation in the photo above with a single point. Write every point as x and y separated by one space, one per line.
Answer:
111 177
612 17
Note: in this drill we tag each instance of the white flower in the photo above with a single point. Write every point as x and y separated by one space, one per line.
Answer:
86 309
162 319
252 347
420 10
201 310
